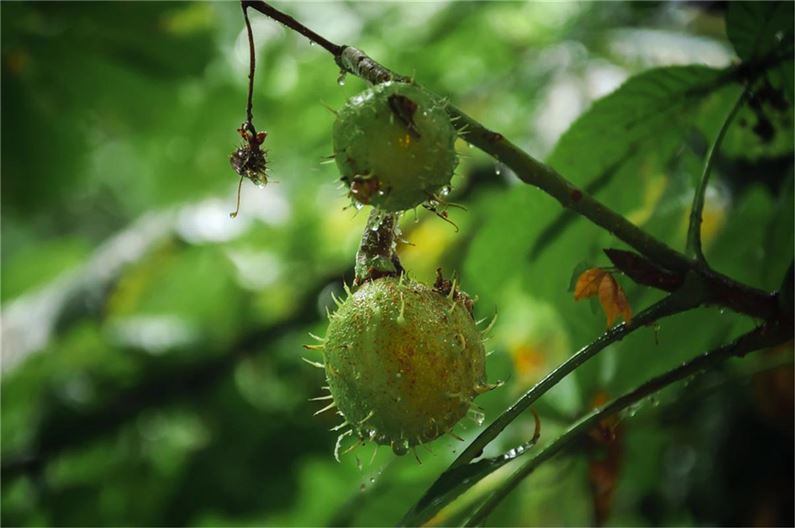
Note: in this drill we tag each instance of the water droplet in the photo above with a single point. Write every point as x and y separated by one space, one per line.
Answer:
358 206
398 375
341 78
445 190
362 488
372 480
311 43
469 145
477 416
400 447
497 170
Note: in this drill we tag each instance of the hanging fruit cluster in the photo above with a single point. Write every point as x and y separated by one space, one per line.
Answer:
403 360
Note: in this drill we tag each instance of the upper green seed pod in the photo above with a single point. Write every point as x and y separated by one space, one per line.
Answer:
394 146
403 362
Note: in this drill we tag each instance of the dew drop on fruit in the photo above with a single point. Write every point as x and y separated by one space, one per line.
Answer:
477 416
341 78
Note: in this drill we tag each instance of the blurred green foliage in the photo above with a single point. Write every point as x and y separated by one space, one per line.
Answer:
153 376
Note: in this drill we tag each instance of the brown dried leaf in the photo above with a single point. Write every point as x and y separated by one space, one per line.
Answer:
588 283
613 300
605 458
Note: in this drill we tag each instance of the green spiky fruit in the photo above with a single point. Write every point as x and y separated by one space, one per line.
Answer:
394 146
403 362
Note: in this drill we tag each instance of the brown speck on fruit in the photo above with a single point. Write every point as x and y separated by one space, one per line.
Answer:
404 109
364 188
451 290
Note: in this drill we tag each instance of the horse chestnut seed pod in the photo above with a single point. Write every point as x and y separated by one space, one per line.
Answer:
394 146
403 362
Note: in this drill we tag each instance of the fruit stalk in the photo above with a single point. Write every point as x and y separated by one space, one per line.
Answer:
377 254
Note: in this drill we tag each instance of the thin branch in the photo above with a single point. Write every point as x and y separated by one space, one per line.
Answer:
252 66
724 290
533 172
761 337
694 229
556 228
429 504
293 24
673 304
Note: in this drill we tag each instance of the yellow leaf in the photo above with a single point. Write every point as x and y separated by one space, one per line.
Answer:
588 283
613 300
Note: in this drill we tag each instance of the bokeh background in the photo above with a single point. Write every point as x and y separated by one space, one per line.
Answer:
151 345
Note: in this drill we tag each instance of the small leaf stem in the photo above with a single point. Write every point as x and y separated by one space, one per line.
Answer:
696 211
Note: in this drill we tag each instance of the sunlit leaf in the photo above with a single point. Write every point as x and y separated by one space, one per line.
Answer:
647 107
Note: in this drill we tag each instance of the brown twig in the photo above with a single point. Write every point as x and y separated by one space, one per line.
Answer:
252 66
293 24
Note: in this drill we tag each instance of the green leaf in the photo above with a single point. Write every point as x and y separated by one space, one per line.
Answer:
646 108
756 28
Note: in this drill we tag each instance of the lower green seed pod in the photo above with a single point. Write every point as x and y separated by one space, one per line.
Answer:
403 362
394 146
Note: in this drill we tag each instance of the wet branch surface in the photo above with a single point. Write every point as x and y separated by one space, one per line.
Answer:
764 336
